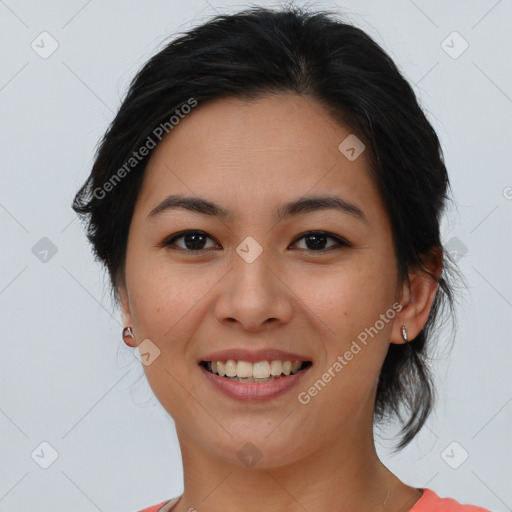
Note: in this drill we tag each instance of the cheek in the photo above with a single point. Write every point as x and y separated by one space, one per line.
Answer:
168 299
165 303
348 297
350 301
158 298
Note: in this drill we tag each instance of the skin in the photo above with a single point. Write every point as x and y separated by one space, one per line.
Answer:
250 158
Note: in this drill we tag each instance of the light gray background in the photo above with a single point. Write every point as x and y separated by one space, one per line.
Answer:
67 377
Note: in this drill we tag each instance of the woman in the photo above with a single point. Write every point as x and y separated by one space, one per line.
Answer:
267 203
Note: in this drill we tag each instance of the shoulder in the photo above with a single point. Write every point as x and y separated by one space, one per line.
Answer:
431 502
165 506
154 508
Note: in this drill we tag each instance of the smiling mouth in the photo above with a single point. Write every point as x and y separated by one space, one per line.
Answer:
266 371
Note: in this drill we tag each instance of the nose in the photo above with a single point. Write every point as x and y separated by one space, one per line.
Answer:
254 297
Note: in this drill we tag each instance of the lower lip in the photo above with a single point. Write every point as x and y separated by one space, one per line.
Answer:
252 390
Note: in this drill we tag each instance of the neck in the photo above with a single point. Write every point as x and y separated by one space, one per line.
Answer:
345 475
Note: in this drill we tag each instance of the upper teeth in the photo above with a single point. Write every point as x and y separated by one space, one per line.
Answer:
259 370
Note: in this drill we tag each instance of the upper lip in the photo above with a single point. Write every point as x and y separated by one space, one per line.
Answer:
253 356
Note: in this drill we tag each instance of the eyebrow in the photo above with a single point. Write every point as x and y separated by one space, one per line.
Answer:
299 206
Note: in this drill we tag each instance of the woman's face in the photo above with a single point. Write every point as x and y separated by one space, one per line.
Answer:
312 296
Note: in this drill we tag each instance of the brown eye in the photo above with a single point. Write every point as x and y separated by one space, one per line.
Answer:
194 241
316 241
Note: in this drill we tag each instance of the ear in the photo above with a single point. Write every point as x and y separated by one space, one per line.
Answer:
124 302
417 297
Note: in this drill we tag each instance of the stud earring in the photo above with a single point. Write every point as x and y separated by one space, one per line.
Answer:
404 333
128 333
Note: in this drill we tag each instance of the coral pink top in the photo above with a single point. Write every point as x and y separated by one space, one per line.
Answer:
429 502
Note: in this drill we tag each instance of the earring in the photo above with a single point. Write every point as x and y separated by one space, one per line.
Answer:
404 334
128 333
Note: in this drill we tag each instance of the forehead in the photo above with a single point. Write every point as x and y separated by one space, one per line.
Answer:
253 153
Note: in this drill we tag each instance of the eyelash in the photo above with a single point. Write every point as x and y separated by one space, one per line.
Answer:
169 242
